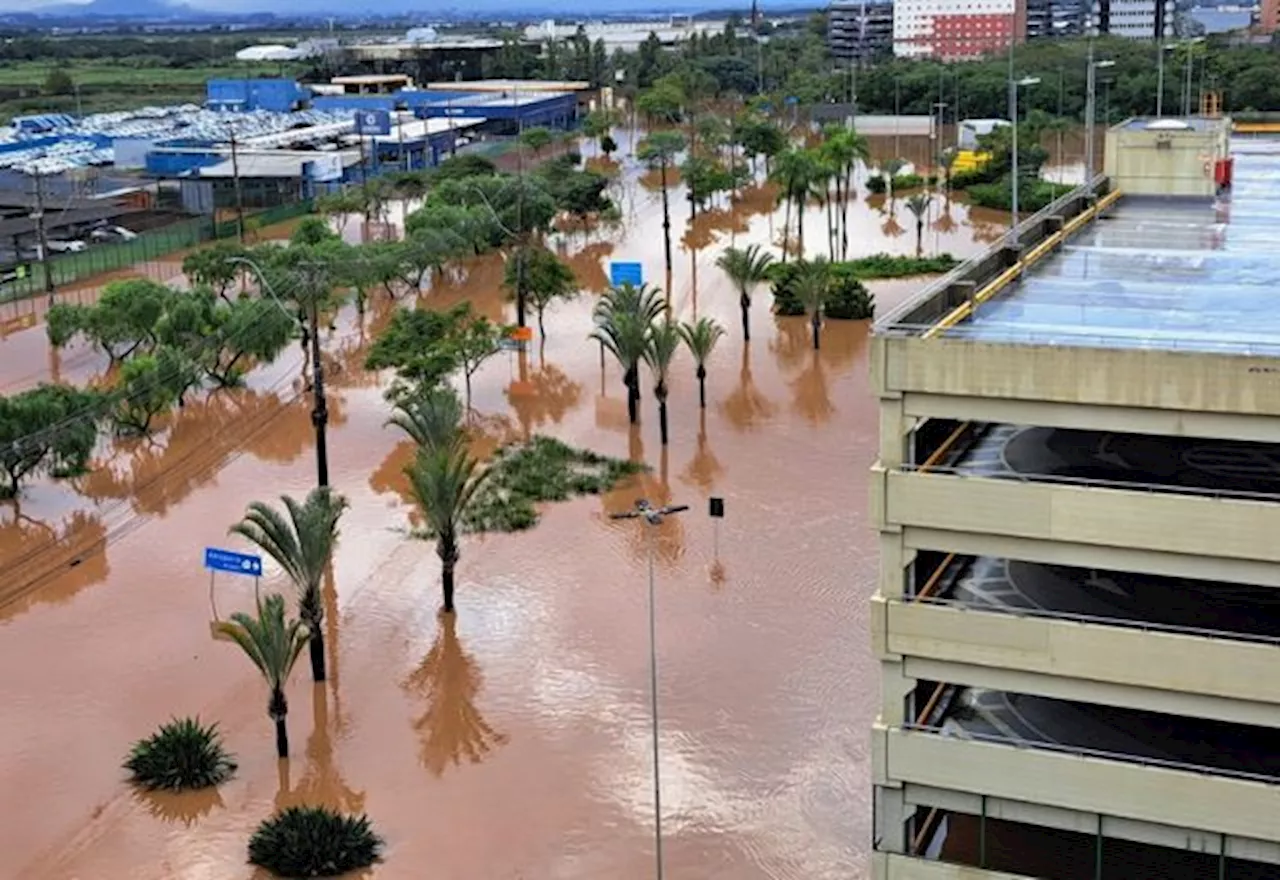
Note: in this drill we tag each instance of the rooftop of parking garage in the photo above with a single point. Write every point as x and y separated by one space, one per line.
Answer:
1149 273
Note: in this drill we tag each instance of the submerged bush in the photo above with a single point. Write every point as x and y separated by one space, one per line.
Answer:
181 755
847 298
313 842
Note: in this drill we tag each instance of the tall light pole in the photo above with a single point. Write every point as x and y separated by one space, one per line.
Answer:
652 518
1164 47
1016 170
320 407
1090 110
1186 98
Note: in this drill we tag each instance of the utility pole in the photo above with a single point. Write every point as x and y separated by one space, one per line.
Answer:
1160 77
1089 113
320 407
651 518
1013 121
42 235
235 179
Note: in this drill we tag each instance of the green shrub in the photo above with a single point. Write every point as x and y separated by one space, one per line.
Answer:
894 266
313 842
1032 194
181 755
846 298
987 174
901 183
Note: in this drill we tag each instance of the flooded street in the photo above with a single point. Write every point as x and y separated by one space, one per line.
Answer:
512 741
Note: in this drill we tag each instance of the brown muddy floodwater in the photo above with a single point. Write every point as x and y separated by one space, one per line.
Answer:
512 742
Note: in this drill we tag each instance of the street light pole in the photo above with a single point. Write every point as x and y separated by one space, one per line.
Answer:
1091 96
319 407
1017 168
653 517
1160 77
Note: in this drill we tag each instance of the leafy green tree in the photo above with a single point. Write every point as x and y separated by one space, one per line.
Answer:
536 139
473 340
215 266
149 385
122 321
664 342
50 428
598 124
746 268
302 545
417 345
465 165
659 151
444 482
544 276
608 145
59 82
664 101
624 319
252 331
273 644
761 137
700 338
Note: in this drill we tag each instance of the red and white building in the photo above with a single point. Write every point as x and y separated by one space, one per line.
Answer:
956 29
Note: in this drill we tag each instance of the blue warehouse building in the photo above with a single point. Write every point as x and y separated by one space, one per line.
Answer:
247 95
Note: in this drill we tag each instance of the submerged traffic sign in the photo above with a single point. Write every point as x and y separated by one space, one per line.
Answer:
626 273
230 561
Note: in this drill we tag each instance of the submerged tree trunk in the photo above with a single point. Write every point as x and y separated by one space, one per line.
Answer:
702 387
786 230
800 228
279 710
744 302
448 559
632 381
317 649
666 223
817 328
661 393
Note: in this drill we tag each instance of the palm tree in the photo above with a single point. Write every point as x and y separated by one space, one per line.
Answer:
274 645
811 289
701 338
444 482
746 269
918 205
624 317
890 168
793 171
659 151
664 340
432 417
302 545
844 149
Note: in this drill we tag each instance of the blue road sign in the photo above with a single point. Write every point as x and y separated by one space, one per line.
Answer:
626 273
792 100
232 562
373 122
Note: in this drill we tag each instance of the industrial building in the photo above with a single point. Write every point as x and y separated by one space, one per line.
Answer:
1077 495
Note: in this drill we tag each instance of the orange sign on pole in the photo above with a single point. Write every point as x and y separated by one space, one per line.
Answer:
522 334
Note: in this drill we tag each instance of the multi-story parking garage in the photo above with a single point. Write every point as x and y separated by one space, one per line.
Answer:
1078 496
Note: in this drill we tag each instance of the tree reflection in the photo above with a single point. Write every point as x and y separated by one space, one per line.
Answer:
746 407
704 467
541 396
812 397
186 807
452 728
588 266
49 563
792 343
320 782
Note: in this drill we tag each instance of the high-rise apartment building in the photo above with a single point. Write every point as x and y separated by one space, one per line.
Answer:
956 29
1134 19
1269 17
1051 19
1078 500
860 29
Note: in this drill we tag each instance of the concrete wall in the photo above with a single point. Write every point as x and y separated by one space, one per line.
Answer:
1222 528
1163 163
1074 782
1220 668
1169 380
890 866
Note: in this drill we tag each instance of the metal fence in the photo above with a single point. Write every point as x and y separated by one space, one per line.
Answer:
149 247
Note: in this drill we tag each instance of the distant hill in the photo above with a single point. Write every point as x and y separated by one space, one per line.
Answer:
149 9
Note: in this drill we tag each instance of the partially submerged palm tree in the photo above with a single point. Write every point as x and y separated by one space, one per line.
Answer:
811 289
444 481
432 417
624 317
664 340
918 205
745 268
273 644
701 338
891 168
302 545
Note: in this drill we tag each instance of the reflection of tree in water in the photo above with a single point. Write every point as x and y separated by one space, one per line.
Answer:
320 782
588 266
704 467
756 201
812 397
946 222
891 227
542 395
667 536
49 564
452 728
160 471
792 342
746 407
477 280
186 807
841 342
